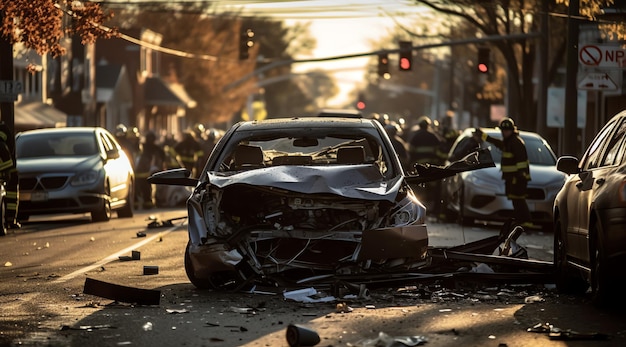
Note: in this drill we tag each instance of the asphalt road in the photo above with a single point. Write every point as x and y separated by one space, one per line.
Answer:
47 263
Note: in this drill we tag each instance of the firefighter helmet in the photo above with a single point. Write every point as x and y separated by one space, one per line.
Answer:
121 130
424 121
507 124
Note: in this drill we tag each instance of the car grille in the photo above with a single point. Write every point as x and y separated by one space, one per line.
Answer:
42 183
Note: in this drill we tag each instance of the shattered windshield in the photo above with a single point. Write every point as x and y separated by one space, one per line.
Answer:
309 149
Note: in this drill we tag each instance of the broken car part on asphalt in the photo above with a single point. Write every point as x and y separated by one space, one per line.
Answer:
121 293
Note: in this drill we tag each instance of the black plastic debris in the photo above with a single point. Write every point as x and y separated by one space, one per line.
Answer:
298 335
150 270
155 223
555 333
121 293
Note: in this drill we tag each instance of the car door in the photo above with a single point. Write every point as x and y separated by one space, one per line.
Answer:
583 187
115 169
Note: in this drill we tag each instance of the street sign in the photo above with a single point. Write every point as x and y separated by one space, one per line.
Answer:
10 89
597 81
604 56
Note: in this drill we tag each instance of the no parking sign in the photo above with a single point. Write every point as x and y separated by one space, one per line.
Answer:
602 56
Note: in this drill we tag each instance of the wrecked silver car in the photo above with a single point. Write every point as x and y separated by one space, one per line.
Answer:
283 200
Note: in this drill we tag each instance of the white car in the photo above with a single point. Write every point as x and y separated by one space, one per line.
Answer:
479 194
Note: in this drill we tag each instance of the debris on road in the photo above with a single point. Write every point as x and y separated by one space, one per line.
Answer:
298 335
156 223
150 270
555 333
385 340
122 293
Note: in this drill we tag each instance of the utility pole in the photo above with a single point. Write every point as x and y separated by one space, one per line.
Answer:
571 93
542 85
7 106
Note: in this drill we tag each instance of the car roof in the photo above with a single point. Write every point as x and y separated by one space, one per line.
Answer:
63 130
496 131
330 112
303 122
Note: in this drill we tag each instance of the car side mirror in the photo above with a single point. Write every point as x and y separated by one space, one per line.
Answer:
479 159
173 177
113 154
568 164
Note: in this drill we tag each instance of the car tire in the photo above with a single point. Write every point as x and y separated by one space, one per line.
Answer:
3 224
600 293
221 280
565 280
127 210
103 213
189 270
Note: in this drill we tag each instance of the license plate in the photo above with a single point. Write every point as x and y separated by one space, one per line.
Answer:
39 196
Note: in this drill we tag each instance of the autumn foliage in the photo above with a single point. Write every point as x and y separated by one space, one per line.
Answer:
42 24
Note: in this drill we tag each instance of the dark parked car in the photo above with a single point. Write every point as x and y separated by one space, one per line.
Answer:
73 170
590 215
296 199
479 194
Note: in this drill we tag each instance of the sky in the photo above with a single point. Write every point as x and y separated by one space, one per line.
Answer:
341 27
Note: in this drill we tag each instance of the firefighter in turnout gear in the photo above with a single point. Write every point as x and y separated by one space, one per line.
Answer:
425 148
189 151
514 166
8 172
151 159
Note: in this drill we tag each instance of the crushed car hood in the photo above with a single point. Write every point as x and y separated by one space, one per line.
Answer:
354 181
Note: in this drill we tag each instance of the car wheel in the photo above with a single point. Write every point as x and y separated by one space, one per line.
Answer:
599 276
566 282
221 280
127 210
189 270
103 213
3 211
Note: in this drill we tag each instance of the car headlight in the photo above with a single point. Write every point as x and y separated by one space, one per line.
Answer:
84 178
409 211
484 182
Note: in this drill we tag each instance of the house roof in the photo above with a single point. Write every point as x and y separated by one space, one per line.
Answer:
37 114
161 93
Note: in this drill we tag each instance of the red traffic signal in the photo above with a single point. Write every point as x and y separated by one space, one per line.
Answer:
406 56
360 103
483 60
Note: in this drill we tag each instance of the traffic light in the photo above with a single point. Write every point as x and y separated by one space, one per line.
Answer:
483 60
360 102
383 65
245 43
405 62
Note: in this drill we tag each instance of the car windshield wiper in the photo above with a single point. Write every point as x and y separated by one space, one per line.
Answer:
329 149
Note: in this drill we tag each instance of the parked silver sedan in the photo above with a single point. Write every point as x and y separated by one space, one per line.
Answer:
73 170
479 195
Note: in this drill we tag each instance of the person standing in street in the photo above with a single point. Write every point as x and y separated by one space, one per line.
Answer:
8 172
425 148
514 166
151 159
189 151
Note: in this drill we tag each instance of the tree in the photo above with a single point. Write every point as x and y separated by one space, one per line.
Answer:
506 17
41 24
211 82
